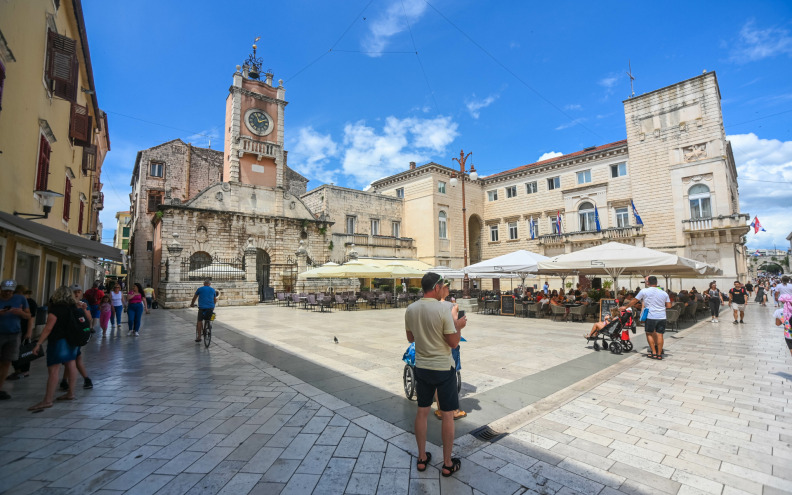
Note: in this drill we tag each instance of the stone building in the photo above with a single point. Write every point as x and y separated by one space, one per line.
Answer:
675 166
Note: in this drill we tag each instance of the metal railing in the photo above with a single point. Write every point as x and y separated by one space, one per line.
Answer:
216 269
260 148
611 233
736 220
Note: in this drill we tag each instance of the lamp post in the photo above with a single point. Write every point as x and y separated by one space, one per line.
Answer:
47 199
473 176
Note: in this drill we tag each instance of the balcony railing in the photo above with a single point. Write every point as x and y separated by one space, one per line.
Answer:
612 233
373 241
738 220
259 148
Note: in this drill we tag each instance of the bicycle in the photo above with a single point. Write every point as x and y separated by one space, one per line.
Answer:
208 318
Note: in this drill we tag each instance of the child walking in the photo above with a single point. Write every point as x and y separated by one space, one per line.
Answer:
105 313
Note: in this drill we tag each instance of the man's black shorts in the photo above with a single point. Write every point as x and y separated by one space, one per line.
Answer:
655 326
444 382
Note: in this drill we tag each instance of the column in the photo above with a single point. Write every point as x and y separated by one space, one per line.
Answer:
174 259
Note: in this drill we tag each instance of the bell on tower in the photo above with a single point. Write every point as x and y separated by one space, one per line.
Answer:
252 66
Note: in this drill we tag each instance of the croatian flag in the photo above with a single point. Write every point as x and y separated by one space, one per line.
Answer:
531 226
558 222
635 212
757 226
596 218
756 253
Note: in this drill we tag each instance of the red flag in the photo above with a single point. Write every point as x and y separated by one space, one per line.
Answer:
757 226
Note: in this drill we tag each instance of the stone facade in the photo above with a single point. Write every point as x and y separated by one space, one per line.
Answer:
370 221
675 141
175 172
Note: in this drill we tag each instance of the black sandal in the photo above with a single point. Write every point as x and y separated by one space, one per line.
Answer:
650 356
453 468
425 462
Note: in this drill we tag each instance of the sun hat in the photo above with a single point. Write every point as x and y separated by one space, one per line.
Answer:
8 284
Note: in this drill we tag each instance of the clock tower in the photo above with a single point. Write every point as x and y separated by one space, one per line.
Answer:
254 127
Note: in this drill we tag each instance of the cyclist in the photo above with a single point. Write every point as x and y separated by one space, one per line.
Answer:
207 298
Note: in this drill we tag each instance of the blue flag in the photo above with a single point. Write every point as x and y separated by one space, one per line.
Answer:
635 212
596 218
531 227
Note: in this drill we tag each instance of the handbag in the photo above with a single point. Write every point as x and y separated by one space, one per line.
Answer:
644 314
26 353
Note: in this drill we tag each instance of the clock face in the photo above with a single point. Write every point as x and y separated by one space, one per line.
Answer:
258 122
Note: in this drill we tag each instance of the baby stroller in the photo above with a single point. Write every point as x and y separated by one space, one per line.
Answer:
617 331
409 369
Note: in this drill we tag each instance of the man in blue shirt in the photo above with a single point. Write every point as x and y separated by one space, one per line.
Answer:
13 309
207 297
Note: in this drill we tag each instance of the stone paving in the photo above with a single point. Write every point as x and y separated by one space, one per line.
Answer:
169 416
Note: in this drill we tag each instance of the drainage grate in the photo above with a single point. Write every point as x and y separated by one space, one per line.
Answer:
487 434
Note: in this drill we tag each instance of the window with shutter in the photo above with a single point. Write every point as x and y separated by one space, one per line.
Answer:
154 200
89 159
67 199
80 125
62 66
80 220
42 172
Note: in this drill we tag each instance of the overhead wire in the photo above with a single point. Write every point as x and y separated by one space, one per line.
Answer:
418 57
513 74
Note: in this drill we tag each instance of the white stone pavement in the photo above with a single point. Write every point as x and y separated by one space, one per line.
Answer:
168 416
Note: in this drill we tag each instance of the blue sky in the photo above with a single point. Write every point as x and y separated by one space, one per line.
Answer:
511 81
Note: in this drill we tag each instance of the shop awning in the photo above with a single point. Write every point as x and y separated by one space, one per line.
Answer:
58 239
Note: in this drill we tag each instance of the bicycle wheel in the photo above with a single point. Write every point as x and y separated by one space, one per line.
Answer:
207 332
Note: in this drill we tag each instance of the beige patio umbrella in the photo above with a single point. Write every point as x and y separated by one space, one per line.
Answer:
316 272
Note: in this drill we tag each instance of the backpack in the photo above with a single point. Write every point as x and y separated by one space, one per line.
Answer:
77 328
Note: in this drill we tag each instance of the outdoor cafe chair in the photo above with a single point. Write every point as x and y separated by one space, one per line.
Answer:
672 318
295 299
578 313
311 302
557 311
324 302
280 297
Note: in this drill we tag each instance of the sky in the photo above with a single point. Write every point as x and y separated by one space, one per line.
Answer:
375 84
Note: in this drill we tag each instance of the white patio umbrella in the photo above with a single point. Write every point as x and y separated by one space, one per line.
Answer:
616 259
520 263
224 269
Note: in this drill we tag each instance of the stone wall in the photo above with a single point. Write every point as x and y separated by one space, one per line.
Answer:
175 295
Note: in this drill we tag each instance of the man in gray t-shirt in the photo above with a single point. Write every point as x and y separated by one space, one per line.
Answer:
656 301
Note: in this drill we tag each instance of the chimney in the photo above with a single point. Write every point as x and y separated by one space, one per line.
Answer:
412 165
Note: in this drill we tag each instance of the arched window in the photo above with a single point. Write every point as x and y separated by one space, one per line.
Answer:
586 217
699 196
443 225
200 259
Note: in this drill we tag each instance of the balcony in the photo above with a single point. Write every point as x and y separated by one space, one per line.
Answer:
736 221
615 233
260 148
373 241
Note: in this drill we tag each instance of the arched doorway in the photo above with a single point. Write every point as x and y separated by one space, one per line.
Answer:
474 239
263 275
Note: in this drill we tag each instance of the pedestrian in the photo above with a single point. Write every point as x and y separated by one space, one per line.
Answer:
92 296
135 306
782 320
715 301
26 331
105 314
148 292
59 352
656 301
435 331
78 362
459 413
13 309
783 288
117 301
749 289
761 297
546 288
737 298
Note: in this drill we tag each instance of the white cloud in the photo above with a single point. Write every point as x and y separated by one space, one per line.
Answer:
573 106
608 82
514 44
390 23
370 153
760 163
311 154
206 139
756 44
571 123
474 106
549 155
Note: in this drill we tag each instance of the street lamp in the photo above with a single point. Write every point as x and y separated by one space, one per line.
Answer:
47 199
473 176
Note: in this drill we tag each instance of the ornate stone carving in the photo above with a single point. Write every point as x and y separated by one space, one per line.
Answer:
695 152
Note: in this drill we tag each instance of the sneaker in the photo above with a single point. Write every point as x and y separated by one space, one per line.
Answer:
716 320
735 322
64 384
130 332
4 395
137 334
87 384
742 321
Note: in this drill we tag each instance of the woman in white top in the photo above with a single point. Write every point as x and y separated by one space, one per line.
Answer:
117 301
